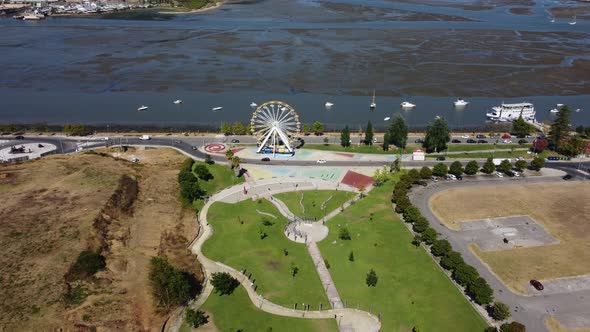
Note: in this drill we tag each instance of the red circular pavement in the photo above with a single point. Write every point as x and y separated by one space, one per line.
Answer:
215 148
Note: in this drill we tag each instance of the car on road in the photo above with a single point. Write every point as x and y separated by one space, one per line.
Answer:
521 136
321 161
567 177
105 138
193 147
522 141
465 136
19 137
177 141
481 141
480 136
456 141
265 159
507 141
471 141
145 137
537 284
235 140
440 158
419 140
506 136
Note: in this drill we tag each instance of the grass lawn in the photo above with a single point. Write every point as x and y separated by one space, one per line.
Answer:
223 177
354 148
236 241
411 290
236 312
497 154
313 200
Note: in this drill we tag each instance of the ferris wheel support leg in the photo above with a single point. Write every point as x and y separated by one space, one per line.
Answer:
263 143
285 140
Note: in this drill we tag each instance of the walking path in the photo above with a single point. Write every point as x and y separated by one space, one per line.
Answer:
352 320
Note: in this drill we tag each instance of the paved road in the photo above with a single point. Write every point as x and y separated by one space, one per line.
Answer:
572 307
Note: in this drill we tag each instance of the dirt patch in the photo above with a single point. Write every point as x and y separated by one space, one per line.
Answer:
568 12
273 265
560 207
555 326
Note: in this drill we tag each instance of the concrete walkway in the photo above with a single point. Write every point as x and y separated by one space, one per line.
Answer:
348 319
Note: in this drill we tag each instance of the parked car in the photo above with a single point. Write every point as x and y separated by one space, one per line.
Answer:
441 158
434 179
419 140
465 136
456 141
471 141
423 183
19 137
507 141
321 161
506 136
459 177
520 136
265 159
498 174
567 177
482 141
552 158
235 140
480 136
537 284
522 141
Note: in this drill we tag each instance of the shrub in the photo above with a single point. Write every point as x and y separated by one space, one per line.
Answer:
169 285
538 163
425 172
441 248
471 168
344 234
202 172
480 291
440 169
488 166
456 168
500 311
351 256
429 236
451 261
420 225
372 278
414 176
464 274
209 160
224 283
505 166
512 327
411 214
402 203
195 318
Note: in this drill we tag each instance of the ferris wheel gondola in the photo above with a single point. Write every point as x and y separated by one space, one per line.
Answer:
275 123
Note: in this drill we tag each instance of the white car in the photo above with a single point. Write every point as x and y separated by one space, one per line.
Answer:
520 158
105 138
498 174
321 161
465 136
507 141
517 174
145 137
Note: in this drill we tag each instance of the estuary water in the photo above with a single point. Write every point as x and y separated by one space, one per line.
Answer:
303 52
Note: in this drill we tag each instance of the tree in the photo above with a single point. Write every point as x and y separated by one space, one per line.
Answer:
351 256
414 175
396 166
318 128
451 261
441 248
572 146
425 172
560 128
489 167
398 132
229 154
429 236
417 240
471 168
381 176
235 161
294 270
326 141
386 139
456 168
464 274
195 318
344 234
440 169
345 137
538 163
420 225
402 203
520 165
225 128
369 134
540 144
209 160
372 278
411 214
202 172
224 283
306 129
505 166
76 130
238 128
480 291
500 311
169 285
437 135
512 327
521 127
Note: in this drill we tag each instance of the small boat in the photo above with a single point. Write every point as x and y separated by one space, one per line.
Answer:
559 105
373 105
573 22
177 101
552 20
253 104
555 110
578 110
33 17
329 104
460 102
386 119
218 108
406 104
142 108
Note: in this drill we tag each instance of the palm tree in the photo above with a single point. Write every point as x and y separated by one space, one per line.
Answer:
229 154
235 161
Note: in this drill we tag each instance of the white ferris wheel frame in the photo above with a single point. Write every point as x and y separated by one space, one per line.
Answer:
274 121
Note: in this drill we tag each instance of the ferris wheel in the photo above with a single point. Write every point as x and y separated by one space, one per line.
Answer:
275 122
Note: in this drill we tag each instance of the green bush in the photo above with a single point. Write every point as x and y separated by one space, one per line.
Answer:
471 168
441 248
420 225
344 234
512 327
411 214
195 318
538 163
464 274
480 291
202 172
451 261
169 285
440 169
456 168
488 166
429 236
500 311
224 283
425 172
86 265
372 278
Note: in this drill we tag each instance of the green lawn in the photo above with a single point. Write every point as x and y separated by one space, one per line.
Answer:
354 148
411 290
236 242
223 177
313 200
236 312
497 154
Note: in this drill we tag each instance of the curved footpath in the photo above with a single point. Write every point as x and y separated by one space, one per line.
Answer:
570 308
350 320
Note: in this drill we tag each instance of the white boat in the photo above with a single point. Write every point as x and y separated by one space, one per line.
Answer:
460 102
573 22
406 104
552 20
177 101
373 105
555 110
578 110
253 104
560 105
218 108
142 108
386 119
33 17
511 112
329 104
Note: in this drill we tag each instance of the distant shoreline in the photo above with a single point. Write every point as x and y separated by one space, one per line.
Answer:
193 11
